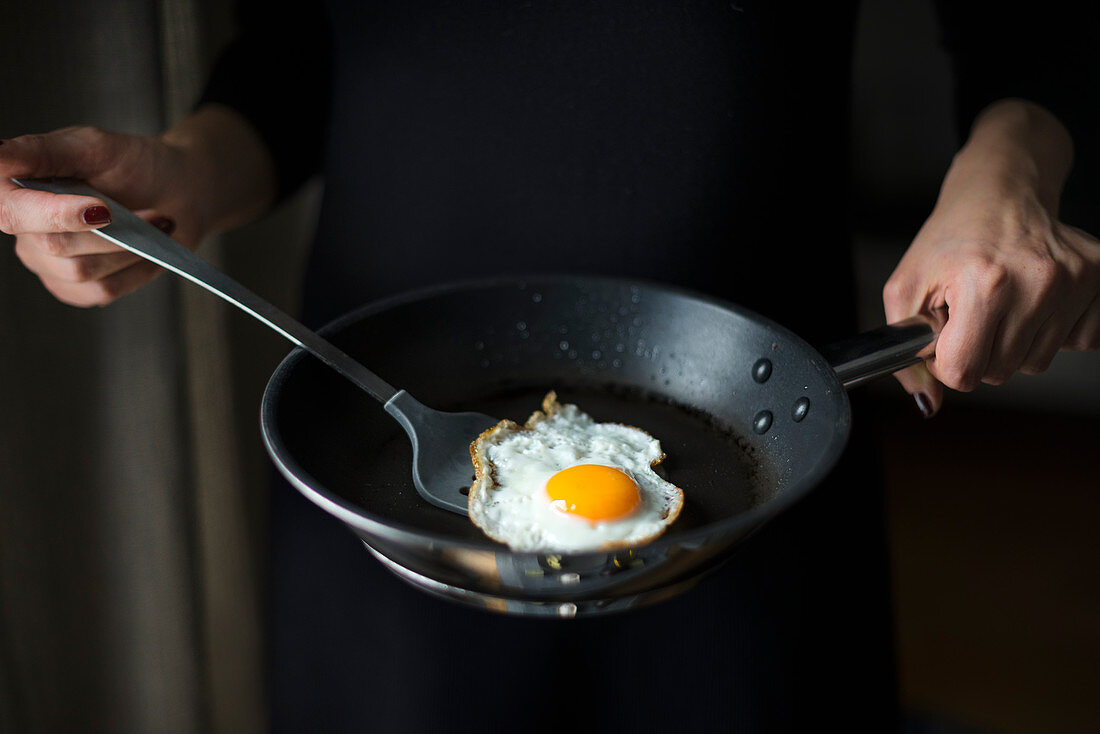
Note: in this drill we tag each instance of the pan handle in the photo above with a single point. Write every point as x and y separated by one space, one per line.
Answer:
885 350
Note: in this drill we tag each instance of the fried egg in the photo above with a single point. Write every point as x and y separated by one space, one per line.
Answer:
565 483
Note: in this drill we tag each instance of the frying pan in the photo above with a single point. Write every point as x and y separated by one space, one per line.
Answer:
750 416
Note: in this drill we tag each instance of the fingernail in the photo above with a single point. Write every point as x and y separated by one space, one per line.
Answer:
96 215
164 224
924 405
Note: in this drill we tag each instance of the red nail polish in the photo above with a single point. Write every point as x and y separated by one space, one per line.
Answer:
924 405
164 224
96 215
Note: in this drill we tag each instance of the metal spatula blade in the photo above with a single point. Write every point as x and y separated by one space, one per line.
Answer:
442 468
442 473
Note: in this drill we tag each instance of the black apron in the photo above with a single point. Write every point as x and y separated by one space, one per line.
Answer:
701 144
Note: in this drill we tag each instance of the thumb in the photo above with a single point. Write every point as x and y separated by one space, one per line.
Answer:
926 390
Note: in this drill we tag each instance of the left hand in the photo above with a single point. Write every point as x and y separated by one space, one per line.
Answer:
1019 285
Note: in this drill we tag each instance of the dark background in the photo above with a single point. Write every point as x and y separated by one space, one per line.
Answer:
992 504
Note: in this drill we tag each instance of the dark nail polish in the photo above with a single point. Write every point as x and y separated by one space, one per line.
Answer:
96 215
164 224
924 405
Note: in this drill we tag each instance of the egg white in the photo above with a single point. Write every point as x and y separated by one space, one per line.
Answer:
512 464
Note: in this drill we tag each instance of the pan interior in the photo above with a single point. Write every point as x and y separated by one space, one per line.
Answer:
680 368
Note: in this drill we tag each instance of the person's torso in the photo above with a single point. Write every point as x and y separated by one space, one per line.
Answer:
701 144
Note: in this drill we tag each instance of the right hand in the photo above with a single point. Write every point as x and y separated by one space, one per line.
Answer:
53 231
209 172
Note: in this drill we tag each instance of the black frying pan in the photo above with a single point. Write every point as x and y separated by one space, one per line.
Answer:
750 416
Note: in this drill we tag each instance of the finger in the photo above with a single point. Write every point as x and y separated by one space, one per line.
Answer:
80 152
24 211
102 292
66 244
975 311
72 244
1046 345
77 269
1016 335
926 390
1085 334
901 298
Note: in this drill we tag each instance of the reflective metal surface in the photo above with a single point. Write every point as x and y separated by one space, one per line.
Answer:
884 350
568 609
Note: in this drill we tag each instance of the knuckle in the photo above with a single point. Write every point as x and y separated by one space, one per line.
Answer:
97 142
58 219
81 269
893 291
54 243
7 216
93 133
1083 343
101 298
1035 367
39 145
958 378
104 291
33 139
1045 273
109 289
1074 266
85 299
987 277
88 135
996 277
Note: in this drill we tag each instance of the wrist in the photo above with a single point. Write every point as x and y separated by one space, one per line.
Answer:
226 174
1016 149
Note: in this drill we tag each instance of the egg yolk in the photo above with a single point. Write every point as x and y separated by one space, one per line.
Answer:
595 492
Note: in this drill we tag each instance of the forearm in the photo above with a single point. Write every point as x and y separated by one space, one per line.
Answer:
230 175
1015 148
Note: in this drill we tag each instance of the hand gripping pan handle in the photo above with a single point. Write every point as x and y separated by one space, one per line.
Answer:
131 232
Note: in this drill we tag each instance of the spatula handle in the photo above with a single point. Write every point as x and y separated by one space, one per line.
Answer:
131 232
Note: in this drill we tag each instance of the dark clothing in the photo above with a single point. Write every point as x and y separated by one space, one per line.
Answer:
688 142
793 632
699 144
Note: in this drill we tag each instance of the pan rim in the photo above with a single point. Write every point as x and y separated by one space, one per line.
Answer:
359 518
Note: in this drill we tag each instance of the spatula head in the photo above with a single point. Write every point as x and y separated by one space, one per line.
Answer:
442 468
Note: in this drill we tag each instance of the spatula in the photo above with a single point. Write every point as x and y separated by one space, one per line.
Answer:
440 441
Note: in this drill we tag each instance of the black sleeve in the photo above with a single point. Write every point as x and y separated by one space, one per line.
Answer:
277 74
1045 52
